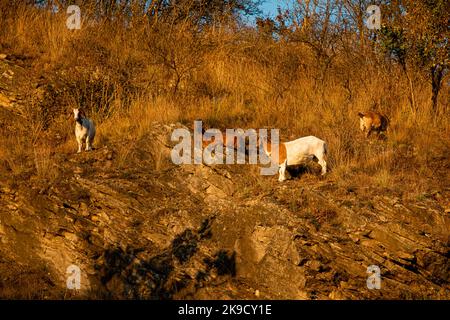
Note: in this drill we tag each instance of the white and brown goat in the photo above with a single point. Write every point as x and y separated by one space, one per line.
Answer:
297 152
371 121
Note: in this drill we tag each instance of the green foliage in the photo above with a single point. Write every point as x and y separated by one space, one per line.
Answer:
393 40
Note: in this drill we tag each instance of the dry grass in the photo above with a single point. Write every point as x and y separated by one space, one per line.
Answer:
128 78
46 165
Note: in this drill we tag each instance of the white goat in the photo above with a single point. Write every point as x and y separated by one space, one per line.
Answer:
297 152
84 129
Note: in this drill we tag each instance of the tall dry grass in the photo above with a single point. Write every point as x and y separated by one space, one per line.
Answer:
231 77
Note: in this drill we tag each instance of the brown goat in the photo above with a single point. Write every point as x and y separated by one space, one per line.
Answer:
370 121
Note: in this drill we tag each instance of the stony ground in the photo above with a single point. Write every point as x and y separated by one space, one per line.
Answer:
161 231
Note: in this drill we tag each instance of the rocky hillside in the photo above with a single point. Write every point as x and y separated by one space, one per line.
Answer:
161 231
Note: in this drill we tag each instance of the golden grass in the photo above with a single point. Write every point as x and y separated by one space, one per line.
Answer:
126 79
45 164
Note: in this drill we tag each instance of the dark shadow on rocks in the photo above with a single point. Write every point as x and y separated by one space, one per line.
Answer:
125 274
223 262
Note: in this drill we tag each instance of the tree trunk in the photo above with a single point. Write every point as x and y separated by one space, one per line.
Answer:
436 82
412 99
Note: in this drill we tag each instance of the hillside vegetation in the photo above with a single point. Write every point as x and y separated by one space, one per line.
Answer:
141 227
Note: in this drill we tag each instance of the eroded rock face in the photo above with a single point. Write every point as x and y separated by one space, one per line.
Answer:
266 250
